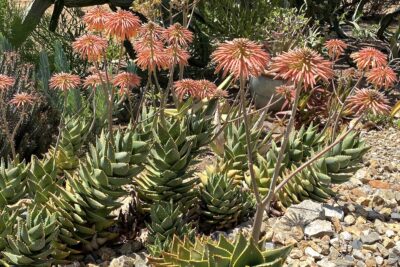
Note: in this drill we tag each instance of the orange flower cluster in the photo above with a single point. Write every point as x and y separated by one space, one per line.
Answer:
151 51
302 65
368 58
368 100
22 99
382 77
177 35
126 81
335 48
6 82
94 80
96 19
122 25
90 47
198 89
240 57
64 81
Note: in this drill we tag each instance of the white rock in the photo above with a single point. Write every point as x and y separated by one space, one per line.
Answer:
312 253
379 260
358 255
346 236
305 212
389 233
319 228
334 242
333 212
326 263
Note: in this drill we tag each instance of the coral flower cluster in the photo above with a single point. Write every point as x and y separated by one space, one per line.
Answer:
21 100
90 47
96 19
335 48
126 81
6 82
241 58
64 81
368 100
302 66
198 89
368 58
382 77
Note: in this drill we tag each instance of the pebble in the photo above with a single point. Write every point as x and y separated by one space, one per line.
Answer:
312 253
333 212
319 228
370 238
358 255
389 233
349 219
395 216
356 244
346 236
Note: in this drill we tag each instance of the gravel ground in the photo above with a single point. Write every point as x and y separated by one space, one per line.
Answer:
361 226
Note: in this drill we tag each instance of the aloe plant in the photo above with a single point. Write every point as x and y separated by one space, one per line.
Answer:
34 239
166 221
209 253
224 204
165 176
12 182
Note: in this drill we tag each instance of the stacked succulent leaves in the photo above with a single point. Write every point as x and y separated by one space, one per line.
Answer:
71 201
166 175
206 252
312 182
72 138
12 182
167 221
224 204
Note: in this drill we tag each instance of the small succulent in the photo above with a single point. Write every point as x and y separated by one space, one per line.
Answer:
343 160
208 253
43 178
224 204
7 222
200 124
167 221
166 176
71 140
34 240
12 182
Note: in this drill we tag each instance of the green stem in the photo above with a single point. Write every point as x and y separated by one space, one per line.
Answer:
267 200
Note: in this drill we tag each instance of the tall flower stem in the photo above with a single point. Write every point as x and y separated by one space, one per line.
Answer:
105 87
262 205
248 139
62 124
110 96
5 127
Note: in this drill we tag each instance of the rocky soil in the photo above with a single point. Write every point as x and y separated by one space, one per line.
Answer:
359 227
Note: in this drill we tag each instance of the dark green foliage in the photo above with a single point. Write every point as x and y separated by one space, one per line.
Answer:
224 204
34 239
167 221
166 176
208 253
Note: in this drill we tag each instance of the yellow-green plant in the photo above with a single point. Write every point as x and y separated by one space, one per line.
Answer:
208 253
224 204
34 239
72 138
166 176
166 221
12 182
